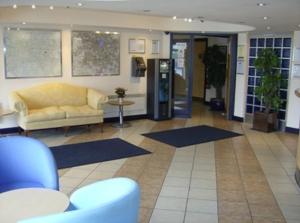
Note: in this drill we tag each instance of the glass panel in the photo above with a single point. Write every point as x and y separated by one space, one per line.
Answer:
181 49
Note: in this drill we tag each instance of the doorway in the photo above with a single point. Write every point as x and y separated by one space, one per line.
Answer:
190 76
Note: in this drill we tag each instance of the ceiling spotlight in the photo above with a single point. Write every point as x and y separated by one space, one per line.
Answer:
79 4
185 19
190 20
51 7
266 17
174 17
268 27
23 23
33 6
261 4
15 6
107 32
97 32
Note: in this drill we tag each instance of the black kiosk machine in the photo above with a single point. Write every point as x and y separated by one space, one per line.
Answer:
159 89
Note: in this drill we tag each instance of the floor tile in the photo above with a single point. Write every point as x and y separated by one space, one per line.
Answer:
166 216
170 203
193 217
177 181
202 206
203 194
180 192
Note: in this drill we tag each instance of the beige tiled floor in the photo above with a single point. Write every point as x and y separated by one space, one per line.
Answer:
238 180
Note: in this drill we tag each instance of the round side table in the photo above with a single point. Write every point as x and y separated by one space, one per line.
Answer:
121 104
26 203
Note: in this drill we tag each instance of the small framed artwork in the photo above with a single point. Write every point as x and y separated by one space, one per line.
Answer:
155 47
136 45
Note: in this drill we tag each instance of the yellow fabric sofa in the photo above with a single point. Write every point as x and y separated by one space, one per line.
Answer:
54 105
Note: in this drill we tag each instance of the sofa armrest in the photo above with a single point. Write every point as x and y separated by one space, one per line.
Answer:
96 99
17 104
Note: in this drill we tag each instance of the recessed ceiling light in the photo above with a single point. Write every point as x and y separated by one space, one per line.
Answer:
15 6
51 7
33 6
268 27
190 20
266 17
107 32
174 17
23 23
261 4
97 32
79 4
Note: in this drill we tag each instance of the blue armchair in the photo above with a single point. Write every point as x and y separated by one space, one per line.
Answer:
109 201
26 162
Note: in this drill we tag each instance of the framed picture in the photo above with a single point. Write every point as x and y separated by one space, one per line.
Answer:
136 45
31 53
155 47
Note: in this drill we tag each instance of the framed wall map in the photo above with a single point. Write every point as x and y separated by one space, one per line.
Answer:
32 53
95 54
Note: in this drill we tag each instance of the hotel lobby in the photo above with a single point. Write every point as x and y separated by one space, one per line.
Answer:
76 77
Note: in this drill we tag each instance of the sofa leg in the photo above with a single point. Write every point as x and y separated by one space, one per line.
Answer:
26 132
101 127
66 129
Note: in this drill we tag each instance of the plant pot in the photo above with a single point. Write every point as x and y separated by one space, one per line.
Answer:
265 122
217 104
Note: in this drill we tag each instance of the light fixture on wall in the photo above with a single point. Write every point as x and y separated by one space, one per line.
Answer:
266 17
51 7
97 32
33 6
174 17
116 33
107 32
15 6
79 4
23 23
261 4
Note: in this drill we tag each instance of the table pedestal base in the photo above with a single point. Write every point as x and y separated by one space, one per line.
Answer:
124 125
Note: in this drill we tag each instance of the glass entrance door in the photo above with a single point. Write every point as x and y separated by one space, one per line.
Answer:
182 55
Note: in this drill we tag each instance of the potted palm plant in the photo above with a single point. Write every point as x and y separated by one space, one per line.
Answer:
215 65
268 91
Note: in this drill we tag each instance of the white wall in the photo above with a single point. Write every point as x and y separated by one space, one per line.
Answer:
293 107
241 79
106 84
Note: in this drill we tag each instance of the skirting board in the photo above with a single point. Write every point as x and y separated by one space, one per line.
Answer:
297 176
292 130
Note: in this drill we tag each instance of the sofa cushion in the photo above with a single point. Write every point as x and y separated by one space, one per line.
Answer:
45 114
80 111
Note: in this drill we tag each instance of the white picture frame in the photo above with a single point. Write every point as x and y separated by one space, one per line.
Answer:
136 45
155 48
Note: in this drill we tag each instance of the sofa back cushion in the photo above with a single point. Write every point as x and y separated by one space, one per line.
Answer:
53 94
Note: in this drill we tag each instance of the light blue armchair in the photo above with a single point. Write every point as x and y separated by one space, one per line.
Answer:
109 201
26 162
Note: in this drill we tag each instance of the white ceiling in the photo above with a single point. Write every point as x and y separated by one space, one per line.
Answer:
283 15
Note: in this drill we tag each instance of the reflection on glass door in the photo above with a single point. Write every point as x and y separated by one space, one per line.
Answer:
181 53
